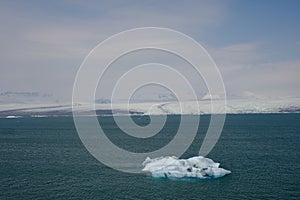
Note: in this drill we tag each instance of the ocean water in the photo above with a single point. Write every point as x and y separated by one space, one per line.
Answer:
43 158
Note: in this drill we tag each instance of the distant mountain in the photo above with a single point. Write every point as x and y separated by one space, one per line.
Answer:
102 101
237 106
154 97
19 94
26 97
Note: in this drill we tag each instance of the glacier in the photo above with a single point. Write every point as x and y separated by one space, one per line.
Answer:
233 106
172 167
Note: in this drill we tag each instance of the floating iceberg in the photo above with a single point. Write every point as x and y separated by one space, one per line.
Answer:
12 117
194 167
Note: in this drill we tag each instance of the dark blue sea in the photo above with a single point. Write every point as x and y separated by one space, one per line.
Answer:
43 158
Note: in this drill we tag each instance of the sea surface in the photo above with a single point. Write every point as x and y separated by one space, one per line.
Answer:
43 158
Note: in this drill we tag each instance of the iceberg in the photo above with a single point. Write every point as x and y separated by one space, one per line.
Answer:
195 167
12 117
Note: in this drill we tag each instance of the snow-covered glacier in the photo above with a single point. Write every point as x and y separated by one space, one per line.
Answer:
174 168
233 106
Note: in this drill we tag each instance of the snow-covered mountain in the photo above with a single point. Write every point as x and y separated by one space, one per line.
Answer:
236 106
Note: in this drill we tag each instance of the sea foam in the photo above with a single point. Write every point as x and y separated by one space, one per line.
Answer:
194 167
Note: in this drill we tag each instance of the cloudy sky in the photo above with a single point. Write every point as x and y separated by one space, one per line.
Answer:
255 44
